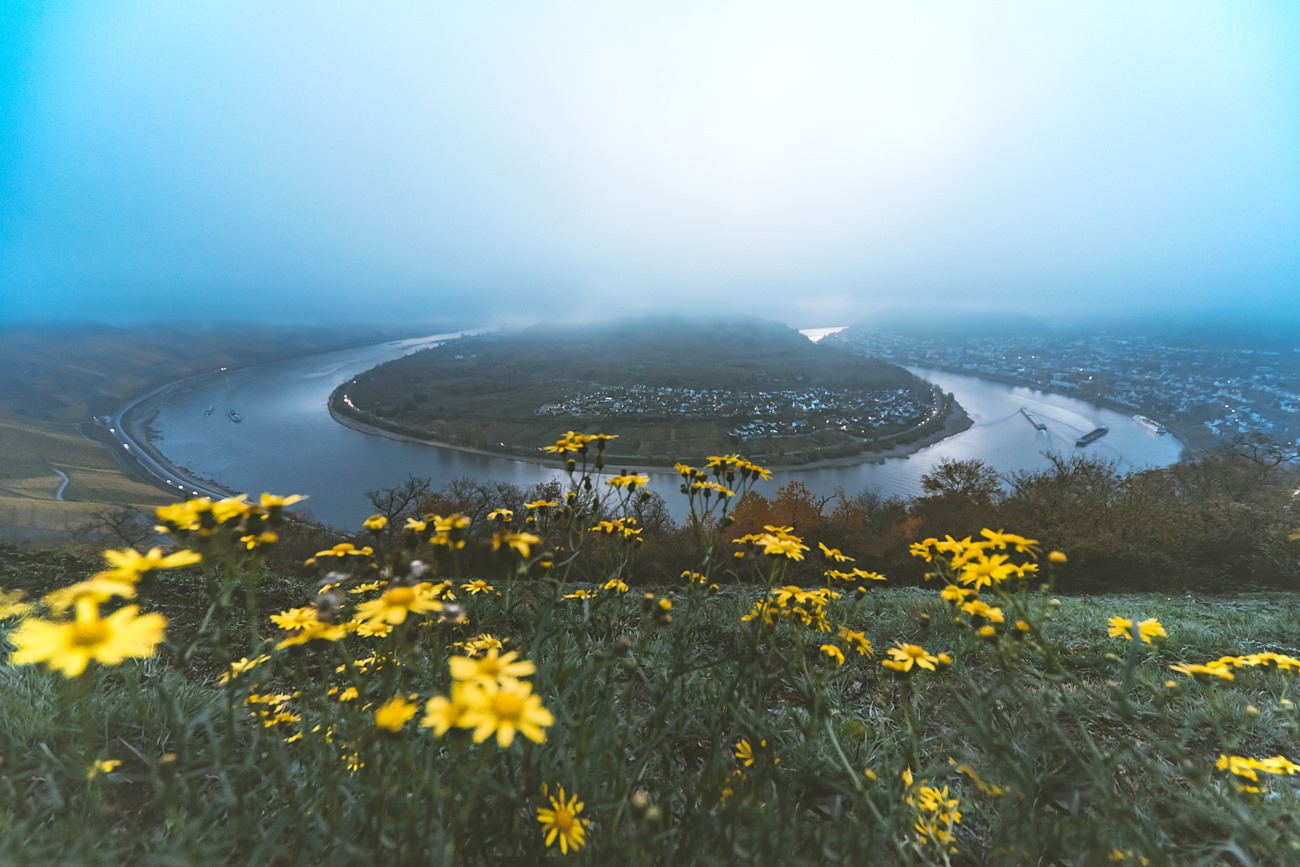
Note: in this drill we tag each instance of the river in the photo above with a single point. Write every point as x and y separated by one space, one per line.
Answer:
287 443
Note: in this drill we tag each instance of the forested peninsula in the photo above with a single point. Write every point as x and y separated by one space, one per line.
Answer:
670 389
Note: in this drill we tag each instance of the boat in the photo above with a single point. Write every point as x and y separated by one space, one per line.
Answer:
1153 426
1092 436
209 410
234 416
1032 419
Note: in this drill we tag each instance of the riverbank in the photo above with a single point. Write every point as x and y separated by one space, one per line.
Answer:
955 422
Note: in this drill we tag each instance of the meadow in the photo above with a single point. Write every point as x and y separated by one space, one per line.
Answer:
445 690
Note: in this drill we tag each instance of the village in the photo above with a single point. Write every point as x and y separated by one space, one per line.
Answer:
759 413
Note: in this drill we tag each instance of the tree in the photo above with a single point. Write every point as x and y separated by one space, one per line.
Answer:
125 526
401 501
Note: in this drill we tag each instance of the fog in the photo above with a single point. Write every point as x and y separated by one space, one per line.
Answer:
804 162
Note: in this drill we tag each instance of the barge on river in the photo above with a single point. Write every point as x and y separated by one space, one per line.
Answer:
1092 436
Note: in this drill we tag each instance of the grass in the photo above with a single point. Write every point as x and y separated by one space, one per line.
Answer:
691 731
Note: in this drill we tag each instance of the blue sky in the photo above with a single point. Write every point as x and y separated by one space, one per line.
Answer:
804 161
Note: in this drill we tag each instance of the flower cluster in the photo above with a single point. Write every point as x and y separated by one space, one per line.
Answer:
936 811
577 443
1249 769
794 604
489 696
970 565
1222 667
1148 630
776 542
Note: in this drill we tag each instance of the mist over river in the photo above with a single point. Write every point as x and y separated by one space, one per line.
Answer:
286 442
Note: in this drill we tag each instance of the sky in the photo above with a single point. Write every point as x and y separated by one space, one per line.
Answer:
809 162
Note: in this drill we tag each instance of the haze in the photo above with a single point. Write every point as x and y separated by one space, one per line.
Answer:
805 162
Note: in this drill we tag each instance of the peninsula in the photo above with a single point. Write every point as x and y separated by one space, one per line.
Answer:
670 389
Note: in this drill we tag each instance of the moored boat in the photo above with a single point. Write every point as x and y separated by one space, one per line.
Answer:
234 416
1151 425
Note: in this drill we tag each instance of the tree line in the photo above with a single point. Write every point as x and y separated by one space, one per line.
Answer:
1220 522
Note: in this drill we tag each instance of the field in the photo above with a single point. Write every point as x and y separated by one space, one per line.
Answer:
402 706
32 450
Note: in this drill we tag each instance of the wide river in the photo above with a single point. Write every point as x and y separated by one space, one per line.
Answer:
287 443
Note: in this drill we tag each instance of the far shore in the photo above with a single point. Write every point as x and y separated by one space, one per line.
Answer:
956 422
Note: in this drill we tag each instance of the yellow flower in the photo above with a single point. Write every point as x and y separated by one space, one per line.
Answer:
70 647
980 608
1247 768
834 554
262 539
985 571
580 593
479 643
834 653
95 590
747 754
1001 540
856 641
375 522
295 618
102 766
520 542
129 564
374 629
777 541
441 714
905 656
709 488
629 481
346 549
1057 557
475 587
242 665
313 631
615 584
12 604
274 501
957 594
1122 627
562 822
397 602
505 708
492 667
502 515
394 713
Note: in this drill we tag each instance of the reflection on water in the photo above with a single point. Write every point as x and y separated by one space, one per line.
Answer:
287 442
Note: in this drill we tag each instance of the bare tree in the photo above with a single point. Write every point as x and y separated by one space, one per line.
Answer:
401 501
126 526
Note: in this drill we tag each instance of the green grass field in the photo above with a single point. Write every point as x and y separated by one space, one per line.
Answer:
413 717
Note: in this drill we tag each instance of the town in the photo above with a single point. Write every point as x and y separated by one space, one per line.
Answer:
778 412
1205 392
